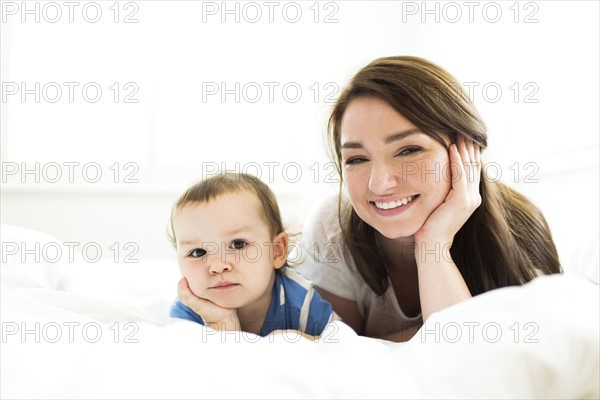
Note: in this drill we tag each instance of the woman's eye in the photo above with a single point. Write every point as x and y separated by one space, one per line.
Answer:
355 160
409 150
197 253
238 244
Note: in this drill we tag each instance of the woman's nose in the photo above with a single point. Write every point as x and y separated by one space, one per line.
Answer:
383 178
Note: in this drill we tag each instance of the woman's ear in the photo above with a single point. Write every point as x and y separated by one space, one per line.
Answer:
280 250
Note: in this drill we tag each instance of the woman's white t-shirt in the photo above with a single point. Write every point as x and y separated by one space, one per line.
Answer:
324 262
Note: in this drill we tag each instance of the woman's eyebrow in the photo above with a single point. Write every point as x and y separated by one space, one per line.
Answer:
401 135
390 139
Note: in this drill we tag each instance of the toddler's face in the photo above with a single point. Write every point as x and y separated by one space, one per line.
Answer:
225 250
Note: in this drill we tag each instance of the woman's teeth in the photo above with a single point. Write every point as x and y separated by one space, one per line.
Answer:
393 204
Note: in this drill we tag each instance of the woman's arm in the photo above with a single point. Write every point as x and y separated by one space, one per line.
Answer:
440 282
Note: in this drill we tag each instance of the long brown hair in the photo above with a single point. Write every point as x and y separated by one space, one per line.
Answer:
505 240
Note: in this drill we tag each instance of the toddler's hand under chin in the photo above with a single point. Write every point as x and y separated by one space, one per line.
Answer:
213 315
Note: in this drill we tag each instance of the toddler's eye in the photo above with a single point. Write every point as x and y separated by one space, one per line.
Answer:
238 244
197 253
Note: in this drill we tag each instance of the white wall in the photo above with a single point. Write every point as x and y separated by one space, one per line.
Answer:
171 136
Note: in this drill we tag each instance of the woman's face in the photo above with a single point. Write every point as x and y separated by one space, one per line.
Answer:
395 175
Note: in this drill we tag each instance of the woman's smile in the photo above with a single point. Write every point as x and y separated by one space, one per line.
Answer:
391 208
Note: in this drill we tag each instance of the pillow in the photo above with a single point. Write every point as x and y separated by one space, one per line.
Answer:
582 257
30 258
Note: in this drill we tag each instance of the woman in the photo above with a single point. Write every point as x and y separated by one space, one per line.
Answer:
422 227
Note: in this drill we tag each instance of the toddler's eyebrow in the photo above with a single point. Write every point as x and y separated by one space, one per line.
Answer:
231 232
235 231
188 242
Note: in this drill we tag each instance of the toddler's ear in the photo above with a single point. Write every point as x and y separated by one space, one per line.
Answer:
280 250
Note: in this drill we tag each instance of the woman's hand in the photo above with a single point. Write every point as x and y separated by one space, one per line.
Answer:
462 199
216 317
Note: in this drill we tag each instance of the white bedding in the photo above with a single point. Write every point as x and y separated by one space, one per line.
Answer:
540 340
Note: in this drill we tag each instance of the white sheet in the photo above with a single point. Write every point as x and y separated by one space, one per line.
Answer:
116 341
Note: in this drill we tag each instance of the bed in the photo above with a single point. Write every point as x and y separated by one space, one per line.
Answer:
77 329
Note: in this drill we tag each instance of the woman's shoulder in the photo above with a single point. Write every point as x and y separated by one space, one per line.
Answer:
322 249
325 206
323 221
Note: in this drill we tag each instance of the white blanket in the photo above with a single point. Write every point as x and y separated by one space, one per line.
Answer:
102 331
535 341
